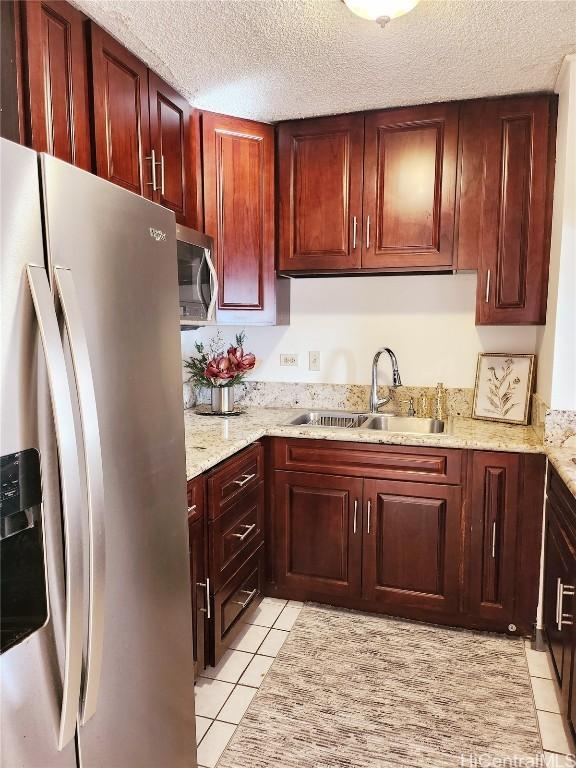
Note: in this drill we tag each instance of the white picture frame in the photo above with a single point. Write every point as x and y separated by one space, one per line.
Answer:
503 388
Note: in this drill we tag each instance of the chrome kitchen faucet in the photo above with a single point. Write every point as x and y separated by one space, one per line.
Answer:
375 404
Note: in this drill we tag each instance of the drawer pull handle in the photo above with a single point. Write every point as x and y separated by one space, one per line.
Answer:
355 524
192 508
206 585
248 599
247 532
245 479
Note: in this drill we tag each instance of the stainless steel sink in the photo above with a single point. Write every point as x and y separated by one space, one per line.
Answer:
338 419
381 422
410 424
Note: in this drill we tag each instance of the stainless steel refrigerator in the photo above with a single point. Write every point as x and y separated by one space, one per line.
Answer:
96 663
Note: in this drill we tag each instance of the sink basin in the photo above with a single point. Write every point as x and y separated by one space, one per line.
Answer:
338 419
405 424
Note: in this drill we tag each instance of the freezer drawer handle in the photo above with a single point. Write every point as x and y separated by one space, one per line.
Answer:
248 599
243 479
95 486
71 496
247 532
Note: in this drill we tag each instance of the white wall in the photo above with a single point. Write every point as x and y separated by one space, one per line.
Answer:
428 320
557 341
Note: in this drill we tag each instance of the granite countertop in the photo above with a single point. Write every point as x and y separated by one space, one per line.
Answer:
211 439
564 462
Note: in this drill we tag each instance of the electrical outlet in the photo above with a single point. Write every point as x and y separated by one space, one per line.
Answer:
313 361
289 359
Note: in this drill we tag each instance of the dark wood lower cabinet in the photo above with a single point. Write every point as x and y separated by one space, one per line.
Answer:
199 590
234 602
197 542
493 529
412 546
439 535
319 533
559 589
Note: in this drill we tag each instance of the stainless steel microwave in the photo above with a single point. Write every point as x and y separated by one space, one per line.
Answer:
197 278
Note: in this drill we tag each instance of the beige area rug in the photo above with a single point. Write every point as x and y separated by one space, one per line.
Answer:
351 690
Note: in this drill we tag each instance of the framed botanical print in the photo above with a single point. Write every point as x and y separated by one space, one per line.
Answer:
503 387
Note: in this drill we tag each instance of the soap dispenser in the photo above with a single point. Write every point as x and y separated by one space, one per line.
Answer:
440 402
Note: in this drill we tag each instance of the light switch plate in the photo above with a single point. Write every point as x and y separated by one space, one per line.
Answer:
313 361
289 359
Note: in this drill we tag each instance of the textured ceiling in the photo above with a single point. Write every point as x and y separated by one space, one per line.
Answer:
278 59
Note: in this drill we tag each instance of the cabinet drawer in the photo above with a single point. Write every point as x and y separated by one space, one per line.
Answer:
237 599
195 498
234 479
383 462
235 535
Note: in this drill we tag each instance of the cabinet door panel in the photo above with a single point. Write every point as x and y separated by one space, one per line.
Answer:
557 573
412 546
170 135
494 511
409 187
57 81
320 183
121 114
197 544
239 215
318 530
512 284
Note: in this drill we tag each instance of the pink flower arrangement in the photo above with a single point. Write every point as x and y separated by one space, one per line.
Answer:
215 368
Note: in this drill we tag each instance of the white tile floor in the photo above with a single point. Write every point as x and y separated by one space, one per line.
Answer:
555 739
223 693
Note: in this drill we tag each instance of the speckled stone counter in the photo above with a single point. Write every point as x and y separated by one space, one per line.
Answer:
564 462
211 439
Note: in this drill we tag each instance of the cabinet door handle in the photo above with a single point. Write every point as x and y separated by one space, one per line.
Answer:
487 297
243 479
192 508
248 599
368 233
563 619
494 539
152 158
369 515
206 586
162 175
247 532
354 228
355 523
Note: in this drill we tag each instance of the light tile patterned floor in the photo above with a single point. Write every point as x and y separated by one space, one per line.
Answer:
556 740
223 693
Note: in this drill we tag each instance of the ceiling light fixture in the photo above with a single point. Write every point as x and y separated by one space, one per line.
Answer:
380 11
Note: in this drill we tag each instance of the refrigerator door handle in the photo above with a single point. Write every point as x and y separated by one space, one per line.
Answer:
95 482
211 314
71 496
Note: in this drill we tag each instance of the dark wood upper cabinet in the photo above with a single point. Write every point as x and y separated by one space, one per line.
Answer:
319 537
171 141
239 214
409 187
412 546
120 115
320 193
494 501
56 81
508 211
